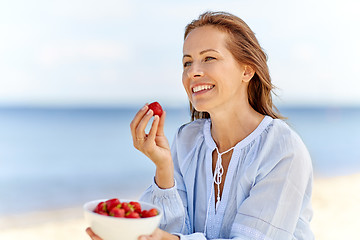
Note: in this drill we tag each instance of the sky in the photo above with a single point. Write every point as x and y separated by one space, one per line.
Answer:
128 52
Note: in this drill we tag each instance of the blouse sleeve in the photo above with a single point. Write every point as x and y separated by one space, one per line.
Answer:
172 201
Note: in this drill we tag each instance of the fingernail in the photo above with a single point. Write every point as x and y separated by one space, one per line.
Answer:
143 108
149 112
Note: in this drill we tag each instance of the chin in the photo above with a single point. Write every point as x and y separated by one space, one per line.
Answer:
202 106
199 107
201 110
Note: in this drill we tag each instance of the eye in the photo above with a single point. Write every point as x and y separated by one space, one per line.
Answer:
209 59
186 64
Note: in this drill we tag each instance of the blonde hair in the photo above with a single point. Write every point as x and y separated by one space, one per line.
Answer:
246 50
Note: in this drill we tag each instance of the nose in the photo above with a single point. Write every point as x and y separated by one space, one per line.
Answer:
195 71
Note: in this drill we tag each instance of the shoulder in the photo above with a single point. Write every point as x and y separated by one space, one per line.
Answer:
193 126
191 130
189 136
281 150
284 136
188 141
281 145
277 141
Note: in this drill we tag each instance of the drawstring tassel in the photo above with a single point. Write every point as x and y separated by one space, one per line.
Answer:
219 171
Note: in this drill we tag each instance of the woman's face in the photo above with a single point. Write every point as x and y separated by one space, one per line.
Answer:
212 78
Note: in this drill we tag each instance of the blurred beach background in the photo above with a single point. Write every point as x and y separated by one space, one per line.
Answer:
74 73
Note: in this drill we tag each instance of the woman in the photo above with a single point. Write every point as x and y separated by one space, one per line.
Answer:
237 171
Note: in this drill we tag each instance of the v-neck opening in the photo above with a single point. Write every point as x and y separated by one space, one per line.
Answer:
215 217
229 175
227 182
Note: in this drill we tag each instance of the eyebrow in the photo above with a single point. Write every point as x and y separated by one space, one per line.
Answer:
202 52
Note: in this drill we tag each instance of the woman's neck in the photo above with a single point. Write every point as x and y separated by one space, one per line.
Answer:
230 127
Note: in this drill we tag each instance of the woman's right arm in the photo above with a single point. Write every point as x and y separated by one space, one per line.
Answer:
172 201
163 192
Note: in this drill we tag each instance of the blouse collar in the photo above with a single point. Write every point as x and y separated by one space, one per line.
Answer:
254 134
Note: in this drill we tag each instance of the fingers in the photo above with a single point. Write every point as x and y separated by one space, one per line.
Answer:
148 237
141 120
160 131
157 235
154 128
135 122
140 129
92 235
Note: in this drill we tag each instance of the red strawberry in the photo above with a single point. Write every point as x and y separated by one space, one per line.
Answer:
152 212
127 207
136 206
157 109
103 213
144 214
132 215
101 207
117 212
111 203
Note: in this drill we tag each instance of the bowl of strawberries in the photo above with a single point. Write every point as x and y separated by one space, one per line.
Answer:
113 219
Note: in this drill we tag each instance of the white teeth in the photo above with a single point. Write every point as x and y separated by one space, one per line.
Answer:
201 87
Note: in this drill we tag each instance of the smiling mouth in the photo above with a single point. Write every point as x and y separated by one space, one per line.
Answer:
202 88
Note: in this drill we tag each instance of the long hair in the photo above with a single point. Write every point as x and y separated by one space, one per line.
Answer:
246 49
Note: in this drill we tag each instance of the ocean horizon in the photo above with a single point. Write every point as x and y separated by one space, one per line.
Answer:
53 158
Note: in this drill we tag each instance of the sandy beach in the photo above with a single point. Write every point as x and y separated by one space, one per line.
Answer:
336 207
335 202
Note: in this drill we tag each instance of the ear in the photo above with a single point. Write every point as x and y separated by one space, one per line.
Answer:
248 73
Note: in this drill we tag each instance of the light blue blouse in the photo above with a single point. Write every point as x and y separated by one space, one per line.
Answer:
266 194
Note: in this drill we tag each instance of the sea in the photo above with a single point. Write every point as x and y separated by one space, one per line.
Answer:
55 158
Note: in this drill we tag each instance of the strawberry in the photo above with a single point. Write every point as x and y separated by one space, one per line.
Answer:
156 107
111 203
132 215
103 213
127 207
149 213
136 206
117 212
144 214
101 208
152 212
113 207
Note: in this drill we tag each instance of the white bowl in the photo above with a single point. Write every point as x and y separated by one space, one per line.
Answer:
112 228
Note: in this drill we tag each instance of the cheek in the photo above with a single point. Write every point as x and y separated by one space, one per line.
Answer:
186 84
185 81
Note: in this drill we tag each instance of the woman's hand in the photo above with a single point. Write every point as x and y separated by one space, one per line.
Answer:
159 234
154 144
92 235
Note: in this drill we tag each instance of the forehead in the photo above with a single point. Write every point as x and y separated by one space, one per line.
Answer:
206 37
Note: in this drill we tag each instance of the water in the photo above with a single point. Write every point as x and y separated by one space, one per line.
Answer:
56 158
332 136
